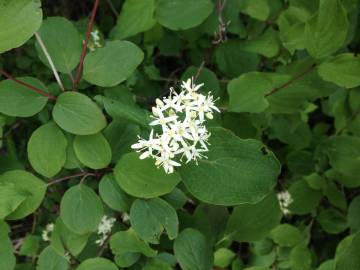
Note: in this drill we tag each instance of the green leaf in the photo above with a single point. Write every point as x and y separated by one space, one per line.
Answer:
344 152
10 199
305 199
81 209
18 100
326 31
7 258
258 9
149 218
223 257
332 221
342 70
300 258
252 222
49 259
30 246
286 235
247 92
93 151
176 198
72 162
182 14
62 238
304 85
327 265
349 259
112 64
127 247
211 221
27 185
141 178
111 193
78 114
353 214
97 264
291 24
135 17
63 43
156 264
193 251
122 111
47 150
267 44
121 136
236 171
19 20
233 60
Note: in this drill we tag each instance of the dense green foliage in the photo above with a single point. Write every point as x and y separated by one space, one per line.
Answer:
279 188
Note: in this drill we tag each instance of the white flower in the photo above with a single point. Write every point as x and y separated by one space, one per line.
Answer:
181 117
95 37
104 229
46 233
285 199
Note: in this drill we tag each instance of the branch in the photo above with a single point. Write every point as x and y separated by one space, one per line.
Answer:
220 35
276 89
82 174
85 43
113 9
51 63
33 88
200 69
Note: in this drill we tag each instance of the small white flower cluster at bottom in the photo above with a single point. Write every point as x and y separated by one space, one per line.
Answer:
104 229
285 199
181 117
46 233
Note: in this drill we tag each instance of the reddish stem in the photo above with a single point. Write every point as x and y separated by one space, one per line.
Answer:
33 88
274 90
59 180
85 43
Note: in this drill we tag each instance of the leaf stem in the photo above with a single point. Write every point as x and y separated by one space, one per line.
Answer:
82 174
112 7
51 63
85 43
276 89
33 88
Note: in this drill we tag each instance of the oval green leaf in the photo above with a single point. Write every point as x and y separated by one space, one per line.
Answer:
18 100
135 17
140 178
47 150
49 259
93 151
112 64
81 209
236 171
192 250
252 222
149 218
78 114
97 264
113 195
182 14
19 20
28 185
63 43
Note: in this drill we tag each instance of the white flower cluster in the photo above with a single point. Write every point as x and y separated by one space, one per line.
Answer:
95 36
181 117
46 233
104 229
285 199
